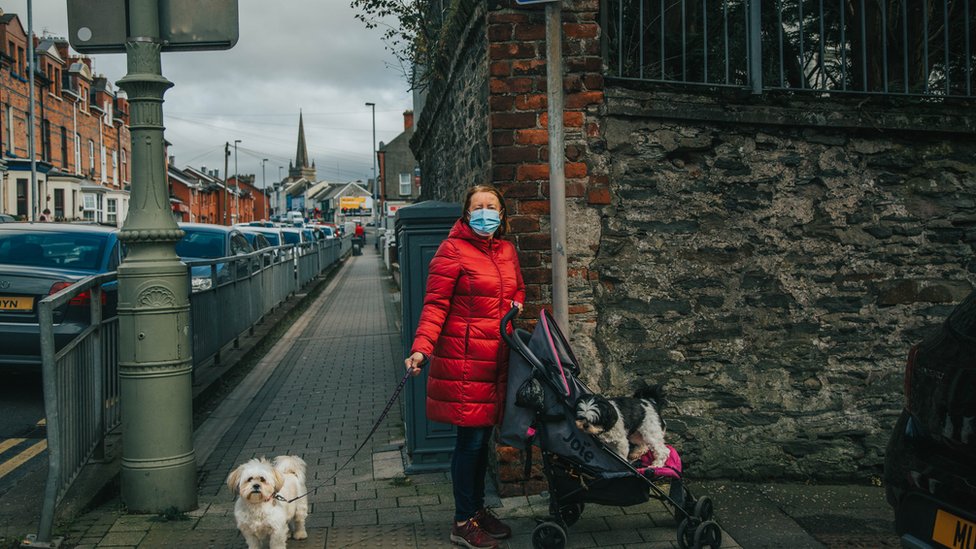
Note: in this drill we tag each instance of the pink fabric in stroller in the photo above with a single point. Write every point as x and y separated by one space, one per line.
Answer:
671 468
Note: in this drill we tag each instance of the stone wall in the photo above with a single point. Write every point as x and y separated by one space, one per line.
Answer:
775 273
771 260
452 138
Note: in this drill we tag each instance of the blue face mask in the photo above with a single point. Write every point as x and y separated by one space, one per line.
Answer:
484 221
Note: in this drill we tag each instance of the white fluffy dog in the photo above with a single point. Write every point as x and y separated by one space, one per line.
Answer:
261 517
628 426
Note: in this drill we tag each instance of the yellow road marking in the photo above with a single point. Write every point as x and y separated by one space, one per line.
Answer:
21 458
10 443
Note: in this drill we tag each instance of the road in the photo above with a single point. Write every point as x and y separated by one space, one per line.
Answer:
22 431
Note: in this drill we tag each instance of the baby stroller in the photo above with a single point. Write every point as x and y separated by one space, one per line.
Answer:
540 410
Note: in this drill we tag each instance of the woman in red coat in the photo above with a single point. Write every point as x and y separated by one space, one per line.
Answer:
473 281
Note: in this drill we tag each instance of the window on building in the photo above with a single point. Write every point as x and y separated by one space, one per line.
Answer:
22 197
405 183
46 140
91 158
77 153
111 213
21 61
125 173
59 204
102 163
64 148
11 144
89 207
115 168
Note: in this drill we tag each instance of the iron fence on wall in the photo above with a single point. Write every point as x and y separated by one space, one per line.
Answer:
81 379
919 48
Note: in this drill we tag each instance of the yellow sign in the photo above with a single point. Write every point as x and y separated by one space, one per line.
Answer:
352 202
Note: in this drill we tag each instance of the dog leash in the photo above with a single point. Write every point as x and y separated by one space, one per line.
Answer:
396 394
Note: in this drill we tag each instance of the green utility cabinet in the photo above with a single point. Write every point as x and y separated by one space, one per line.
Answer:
420 229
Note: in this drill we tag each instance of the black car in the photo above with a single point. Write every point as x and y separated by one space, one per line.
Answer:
40 259
930 464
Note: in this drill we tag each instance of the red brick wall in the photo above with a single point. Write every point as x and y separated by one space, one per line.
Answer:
57 108
518 105
519 133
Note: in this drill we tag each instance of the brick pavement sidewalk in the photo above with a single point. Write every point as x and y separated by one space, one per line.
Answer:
317 394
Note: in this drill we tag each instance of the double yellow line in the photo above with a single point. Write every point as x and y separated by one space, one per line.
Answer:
10 465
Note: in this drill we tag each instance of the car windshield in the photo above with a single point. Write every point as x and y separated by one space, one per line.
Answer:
272 238
293 238
201 244
51 249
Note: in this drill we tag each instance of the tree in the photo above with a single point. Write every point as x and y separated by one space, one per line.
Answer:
410 31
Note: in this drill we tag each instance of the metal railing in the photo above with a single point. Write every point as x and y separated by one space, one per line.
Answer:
81 378
887 47
81 391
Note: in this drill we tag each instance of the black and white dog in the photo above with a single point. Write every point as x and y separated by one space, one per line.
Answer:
628 425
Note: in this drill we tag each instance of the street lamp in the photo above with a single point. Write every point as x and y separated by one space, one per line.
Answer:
264 183
237 184
375 181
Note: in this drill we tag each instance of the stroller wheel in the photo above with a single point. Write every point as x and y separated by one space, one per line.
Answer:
686 532
704 508
571 513
708 534
548 535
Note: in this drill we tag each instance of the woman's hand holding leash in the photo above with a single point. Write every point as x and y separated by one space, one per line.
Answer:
414 362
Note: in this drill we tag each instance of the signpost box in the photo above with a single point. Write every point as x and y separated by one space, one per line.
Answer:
420 229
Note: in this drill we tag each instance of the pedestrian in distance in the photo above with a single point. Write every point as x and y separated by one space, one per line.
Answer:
474 280
45 215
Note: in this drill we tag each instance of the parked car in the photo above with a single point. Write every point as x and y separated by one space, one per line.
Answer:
205 241
4 218
40 259
293 235
930 463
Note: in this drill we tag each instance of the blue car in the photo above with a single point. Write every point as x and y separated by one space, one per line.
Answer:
202 241
40 259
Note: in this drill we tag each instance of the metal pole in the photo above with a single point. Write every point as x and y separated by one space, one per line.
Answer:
375 181
155 348
264 183
237 185
31 119
557 162
226 192
755 47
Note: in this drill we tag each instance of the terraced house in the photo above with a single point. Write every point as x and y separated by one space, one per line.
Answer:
81 132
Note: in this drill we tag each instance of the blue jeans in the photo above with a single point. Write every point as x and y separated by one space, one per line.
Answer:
468 467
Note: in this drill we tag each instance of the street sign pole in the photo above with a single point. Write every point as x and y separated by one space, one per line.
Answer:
155 351
557 164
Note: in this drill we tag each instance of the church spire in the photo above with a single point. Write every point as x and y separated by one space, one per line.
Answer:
301 157
301 169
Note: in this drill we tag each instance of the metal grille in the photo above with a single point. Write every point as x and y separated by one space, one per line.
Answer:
920 48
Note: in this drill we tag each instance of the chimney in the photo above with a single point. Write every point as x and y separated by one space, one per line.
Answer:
407 119
172 160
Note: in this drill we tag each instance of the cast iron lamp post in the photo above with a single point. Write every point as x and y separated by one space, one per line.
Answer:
155 348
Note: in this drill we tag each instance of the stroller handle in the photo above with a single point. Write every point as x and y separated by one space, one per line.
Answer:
506 320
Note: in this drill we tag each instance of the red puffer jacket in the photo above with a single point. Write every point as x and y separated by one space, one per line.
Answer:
471 284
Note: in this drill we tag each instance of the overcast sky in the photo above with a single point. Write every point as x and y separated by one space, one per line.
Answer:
311 55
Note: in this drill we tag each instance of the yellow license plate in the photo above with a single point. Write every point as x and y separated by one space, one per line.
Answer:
954 532
16 304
